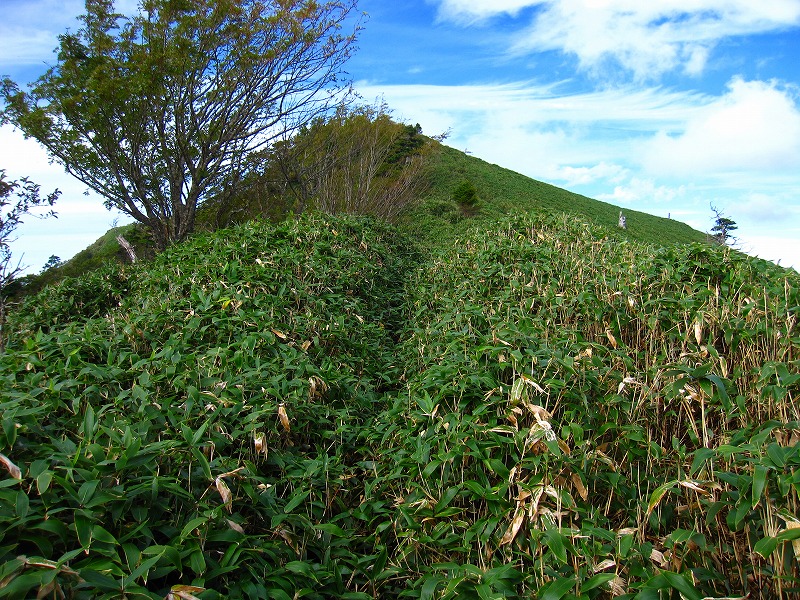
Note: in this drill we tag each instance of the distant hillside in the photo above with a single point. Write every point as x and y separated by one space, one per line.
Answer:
504 192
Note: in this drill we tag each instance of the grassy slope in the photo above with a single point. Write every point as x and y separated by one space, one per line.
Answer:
311 410
314 410
437 219
503 192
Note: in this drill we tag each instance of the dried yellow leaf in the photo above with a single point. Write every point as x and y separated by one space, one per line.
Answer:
317 388
606 564
284 418
12 469
625 382
698 330
612 340
512 474
235 526
225 492
541 413
514 527
534 506
279 334
260 442
230 473
618 586
287 537
581 489
185 592
693 486
658 557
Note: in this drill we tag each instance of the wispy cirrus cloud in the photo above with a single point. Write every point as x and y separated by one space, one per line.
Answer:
749 133
647 39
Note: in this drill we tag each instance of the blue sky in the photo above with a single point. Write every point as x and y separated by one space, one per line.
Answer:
664 106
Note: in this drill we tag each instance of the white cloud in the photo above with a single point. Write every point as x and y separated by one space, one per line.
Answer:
80 219
754 127
645 37
785 250
565 138
575 176
30 28
638 189
25 47
528 104
764 208
478 10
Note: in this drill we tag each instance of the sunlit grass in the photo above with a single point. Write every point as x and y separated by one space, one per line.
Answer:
533 407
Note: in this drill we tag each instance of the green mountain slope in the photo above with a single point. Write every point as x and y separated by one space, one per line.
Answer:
437 219
504 192
317 409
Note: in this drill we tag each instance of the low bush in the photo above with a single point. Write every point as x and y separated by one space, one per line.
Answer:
202 432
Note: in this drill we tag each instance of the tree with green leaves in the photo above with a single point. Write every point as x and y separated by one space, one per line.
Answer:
159 111
355 160
723 226
18 198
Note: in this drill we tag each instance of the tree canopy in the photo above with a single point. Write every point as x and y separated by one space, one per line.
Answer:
159 111
357 160
354 160
723 227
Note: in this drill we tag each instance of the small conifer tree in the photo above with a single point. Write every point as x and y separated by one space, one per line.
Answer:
723 226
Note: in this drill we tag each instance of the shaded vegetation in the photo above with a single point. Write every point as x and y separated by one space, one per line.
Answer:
354 161
314 409
136 416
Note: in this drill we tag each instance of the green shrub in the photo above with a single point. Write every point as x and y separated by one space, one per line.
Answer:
203 432
465 195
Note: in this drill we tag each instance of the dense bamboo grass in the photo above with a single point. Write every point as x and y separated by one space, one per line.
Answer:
316 409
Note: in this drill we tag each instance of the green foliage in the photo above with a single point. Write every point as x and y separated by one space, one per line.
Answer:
18 199
205 431
534 386
543 408
272 190
52 262
158 111
354 161
437 219
723 227
466 196
104 252
408 143
585 412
